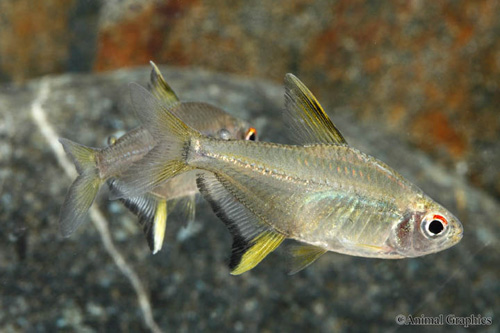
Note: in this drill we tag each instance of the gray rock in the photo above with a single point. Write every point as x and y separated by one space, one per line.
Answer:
48 283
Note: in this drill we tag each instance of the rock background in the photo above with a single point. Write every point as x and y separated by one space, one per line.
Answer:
48 283
414 83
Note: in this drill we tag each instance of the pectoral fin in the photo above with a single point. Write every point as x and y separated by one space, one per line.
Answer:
253 239
306 118
303 255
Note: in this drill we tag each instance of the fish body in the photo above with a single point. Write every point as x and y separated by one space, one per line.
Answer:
346 201
98 165
129 148
330 196
322 193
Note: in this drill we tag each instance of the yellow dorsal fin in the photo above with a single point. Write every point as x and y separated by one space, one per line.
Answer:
306 118
160 88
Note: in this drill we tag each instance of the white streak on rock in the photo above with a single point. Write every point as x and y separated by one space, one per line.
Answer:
96 216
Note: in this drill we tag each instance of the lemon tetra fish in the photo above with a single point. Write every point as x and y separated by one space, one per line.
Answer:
322 193
96 166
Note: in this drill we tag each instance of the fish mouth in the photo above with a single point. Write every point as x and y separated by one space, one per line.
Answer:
458 237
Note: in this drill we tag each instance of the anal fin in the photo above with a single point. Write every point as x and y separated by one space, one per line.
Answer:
253 239
257 249
152 213
156 236
302 255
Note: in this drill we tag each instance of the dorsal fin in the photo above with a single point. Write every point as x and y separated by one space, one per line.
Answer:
253 240
160 88
306 118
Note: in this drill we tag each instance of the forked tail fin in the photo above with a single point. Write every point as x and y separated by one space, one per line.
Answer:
84 189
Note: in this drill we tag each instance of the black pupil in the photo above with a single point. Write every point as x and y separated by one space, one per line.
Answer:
436 227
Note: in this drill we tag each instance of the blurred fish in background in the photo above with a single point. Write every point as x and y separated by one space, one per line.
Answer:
96 166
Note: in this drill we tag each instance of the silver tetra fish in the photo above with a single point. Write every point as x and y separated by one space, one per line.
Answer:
98 165
322 193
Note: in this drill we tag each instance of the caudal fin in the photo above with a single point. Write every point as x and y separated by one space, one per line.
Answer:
168 158
83 191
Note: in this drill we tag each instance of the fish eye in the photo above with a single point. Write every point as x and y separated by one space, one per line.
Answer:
251 134
224 134
111 140
434 225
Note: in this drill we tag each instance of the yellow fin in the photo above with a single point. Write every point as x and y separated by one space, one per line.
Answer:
306 118
159 225
83 157
160 88
253 239
303 255
263 244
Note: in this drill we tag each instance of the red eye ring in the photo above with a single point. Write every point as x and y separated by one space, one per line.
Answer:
440 218
251 134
